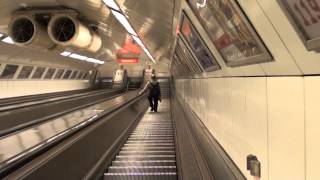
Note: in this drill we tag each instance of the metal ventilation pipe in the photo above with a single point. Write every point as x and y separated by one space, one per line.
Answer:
66 30
24 30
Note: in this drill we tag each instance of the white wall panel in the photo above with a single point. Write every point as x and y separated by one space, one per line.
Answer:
284 64
236 126
11 88
312 89
255 123
286 128
308 61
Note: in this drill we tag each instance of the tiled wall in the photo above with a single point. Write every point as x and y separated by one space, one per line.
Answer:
11 88
274 118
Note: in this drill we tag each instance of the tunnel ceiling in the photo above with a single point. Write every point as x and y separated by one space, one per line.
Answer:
152 21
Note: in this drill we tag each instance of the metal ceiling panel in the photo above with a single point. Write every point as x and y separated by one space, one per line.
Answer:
151 19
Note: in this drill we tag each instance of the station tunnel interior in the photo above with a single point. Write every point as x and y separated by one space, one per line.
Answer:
239 83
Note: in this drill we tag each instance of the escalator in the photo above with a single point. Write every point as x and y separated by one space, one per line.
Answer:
149 152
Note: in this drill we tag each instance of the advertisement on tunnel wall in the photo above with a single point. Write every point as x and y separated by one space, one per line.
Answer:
230 32
193 39
305 17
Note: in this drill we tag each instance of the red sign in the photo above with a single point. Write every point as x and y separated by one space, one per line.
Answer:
128 60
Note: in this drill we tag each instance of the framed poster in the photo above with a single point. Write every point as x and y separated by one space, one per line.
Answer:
186 57
230 31
304 15
197 45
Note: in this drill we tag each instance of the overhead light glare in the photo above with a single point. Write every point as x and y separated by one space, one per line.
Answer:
77 56
112 4
123 20
149 55
138 41
65 53
8 40
95 61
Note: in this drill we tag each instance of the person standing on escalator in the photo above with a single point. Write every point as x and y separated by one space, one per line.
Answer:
154 92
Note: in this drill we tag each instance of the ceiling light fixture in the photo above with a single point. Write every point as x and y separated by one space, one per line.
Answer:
149 54
7 40
138 41
65 53
95 61
112 4
78 56
125 23
119 15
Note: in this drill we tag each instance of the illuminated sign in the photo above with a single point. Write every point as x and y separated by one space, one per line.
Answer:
128 60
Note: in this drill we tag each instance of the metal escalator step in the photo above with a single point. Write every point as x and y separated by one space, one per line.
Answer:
145 163
149 141
140 176
149 145
149 138
155 135
124 152
147 148
144 157
141 169
151 132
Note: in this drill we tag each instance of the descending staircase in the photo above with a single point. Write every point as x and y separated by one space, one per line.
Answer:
164 86
134 83
149 153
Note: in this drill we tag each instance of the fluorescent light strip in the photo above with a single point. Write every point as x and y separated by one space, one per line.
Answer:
138 41
65 53
125 23
95 61
149 55
7 40
77 56
112 4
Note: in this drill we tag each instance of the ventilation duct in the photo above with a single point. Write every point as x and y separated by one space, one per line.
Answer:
24 30
66 30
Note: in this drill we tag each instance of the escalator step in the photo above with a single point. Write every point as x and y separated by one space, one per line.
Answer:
145 163
141 169
144 157
140 176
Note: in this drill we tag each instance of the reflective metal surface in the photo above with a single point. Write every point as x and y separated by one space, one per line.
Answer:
151 19
149 153
17 145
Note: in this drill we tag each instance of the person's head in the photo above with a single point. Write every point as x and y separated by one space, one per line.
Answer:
153 77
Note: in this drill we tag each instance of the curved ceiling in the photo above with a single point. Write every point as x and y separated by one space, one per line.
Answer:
151 19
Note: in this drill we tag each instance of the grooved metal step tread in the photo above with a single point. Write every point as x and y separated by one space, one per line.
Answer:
140 176
145 157
149 152
141 169
145 163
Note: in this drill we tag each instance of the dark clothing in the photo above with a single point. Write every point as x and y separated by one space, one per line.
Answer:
154 89
154 94
153 101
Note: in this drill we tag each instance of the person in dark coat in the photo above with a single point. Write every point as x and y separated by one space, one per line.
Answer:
154 92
